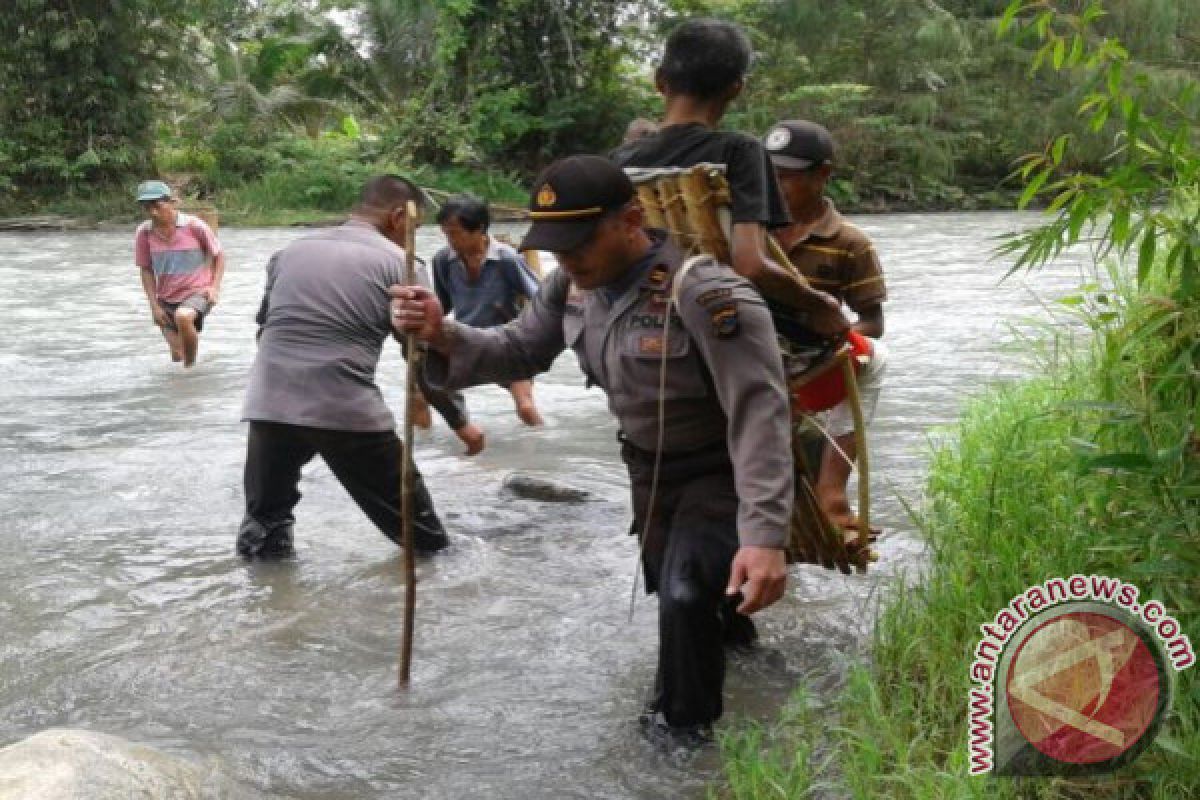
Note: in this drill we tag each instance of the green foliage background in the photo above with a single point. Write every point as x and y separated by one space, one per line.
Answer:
930 107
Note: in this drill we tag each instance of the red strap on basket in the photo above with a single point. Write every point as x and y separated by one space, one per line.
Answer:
827 388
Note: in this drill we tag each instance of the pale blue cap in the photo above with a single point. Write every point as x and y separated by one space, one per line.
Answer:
153 190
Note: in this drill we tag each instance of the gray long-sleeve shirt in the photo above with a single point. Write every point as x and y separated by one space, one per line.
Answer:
724 378
323 321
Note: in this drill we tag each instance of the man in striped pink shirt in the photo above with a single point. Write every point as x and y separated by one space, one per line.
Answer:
181 265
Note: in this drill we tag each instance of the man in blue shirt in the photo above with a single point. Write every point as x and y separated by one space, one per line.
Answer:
482 281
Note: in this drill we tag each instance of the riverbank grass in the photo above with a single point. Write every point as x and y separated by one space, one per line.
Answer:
771 760
300 197
309 194
1090 468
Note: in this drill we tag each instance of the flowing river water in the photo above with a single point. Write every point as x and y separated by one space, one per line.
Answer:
123 608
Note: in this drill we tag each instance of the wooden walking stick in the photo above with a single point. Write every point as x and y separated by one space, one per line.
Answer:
407 469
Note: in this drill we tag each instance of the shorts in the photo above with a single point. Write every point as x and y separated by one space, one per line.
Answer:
839 420
197 302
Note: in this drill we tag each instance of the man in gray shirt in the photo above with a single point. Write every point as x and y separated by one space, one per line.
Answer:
312 390
686 354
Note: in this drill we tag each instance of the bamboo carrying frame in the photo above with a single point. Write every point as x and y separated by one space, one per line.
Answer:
692 204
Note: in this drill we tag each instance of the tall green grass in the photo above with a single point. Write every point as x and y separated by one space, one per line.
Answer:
774 760
1090 468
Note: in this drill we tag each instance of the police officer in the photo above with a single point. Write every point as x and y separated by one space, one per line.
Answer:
716 431
322 322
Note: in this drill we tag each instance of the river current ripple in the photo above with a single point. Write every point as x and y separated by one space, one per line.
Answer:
126 611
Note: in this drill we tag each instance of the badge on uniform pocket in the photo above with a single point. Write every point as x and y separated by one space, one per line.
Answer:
725 320
649 345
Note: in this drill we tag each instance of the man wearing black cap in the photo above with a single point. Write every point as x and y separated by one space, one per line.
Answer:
838 258
687 357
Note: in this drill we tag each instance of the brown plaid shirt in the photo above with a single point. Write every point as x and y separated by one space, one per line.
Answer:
837 257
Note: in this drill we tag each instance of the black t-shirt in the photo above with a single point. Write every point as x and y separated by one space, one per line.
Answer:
752 186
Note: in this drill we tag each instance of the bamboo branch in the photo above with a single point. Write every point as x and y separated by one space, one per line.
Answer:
864 470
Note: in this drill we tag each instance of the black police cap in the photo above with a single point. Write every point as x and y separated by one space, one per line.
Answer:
569 199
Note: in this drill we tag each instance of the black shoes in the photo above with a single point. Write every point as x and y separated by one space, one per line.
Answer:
255 540
428 534
429 543
680 742
273 542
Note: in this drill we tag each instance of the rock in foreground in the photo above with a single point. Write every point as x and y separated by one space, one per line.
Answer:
67 764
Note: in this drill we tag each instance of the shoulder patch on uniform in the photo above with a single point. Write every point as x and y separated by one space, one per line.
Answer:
724 320
711 296
658 277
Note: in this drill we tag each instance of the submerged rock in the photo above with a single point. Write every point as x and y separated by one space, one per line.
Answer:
68 764
529 486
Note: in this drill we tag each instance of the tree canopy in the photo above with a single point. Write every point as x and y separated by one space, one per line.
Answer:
926 101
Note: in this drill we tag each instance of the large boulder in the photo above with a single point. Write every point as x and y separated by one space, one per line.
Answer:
68 764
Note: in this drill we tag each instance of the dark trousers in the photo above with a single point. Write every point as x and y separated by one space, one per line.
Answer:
367 464
687 554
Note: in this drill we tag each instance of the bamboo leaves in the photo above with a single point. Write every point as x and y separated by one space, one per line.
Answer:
1143 213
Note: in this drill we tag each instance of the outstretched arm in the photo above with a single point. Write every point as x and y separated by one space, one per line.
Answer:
462 356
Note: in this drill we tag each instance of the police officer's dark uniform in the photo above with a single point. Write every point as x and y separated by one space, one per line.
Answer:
312 391
726 472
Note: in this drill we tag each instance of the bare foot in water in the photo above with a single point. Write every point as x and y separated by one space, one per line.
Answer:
529 415
471 435
850 523
522 395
